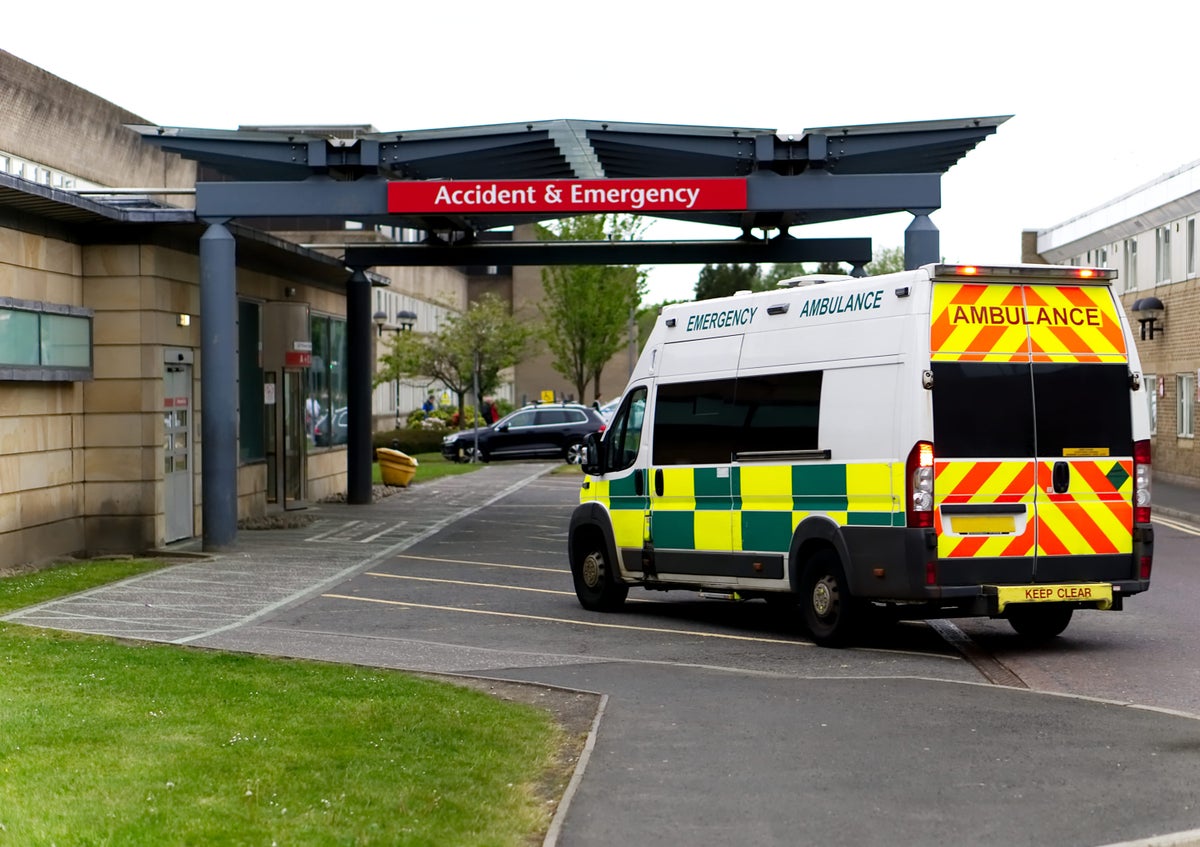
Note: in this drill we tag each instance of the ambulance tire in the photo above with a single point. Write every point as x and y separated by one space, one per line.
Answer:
831 614
1038 622
595 586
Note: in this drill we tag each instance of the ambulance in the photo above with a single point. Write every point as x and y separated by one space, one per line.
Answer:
950 441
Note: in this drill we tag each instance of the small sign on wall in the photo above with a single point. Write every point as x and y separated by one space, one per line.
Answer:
269 394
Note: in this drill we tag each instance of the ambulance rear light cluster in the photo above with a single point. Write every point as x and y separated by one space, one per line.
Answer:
1141 482
1041 272
918 473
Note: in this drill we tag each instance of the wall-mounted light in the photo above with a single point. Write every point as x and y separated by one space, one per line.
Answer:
183 320
1149 311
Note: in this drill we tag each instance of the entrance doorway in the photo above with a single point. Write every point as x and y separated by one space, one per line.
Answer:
177 444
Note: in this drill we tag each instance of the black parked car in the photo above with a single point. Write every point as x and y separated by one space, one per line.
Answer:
544 431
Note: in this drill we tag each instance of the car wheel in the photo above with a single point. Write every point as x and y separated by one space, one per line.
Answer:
595 585
830 612
1038 622
574 453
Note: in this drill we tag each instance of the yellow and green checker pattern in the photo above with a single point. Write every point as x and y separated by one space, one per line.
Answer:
751 507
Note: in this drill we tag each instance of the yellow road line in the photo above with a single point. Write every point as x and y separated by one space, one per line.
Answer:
596 624
1182 527
472 584
485 564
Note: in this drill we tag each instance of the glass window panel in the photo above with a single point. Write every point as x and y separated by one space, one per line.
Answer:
1082 405
18 337
181 462
168 463
982 410
66 341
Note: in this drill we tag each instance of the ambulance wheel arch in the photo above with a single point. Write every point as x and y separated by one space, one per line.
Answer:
818 564
593 557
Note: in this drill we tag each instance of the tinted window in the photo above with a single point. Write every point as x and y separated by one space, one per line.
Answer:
779 412
982 410
546 417
520 419
1082 407
706 423
695 423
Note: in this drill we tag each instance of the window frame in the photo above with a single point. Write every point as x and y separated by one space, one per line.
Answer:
47 316
1185 405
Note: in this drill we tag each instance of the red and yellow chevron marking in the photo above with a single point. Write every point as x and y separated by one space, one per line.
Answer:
1073 324
978 322
984 482
1094 517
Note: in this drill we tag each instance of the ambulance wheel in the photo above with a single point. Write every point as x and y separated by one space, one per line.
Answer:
830 613
1039 622
595 586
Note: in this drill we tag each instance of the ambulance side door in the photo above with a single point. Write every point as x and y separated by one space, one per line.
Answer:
624 483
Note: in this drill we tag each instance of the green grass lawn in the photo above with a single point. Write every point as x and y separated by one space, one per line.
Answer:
111 743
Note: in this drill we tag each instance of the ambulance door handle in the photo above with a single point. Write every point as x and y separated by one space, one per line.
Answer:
658 482
1061 477
639 487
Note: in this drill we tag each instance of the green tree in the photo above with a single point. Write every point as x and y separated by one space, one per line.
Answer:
782 270
724 280
889 260
486 335
586 309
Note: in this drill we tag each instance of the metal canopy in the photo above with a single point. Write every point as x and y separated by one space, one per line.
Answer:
824 174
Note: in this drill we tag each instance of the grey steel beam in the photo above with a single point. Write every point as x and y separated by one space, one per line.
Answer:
317 196
218 378
851 250
819 190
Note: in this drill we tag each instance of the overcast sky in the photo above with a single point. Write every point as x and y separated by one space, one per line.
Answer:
1104 97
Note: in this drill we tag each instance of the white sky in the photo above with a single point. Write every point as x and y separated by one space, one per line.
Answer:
1103 95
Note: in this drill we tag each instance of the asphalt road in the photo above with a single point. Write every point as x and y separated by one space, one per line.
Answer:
724 725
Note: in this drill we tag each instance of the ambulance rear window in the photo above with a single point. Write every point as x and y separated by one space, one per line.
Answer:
1001 410
982 410
1082 407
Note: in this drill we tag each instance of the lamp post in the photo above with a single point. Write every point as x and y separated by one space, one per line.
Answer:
407 320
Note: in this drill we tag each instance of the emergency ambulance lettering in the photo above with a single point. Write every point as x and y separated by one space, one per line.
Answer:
1034 316
717 320
842 303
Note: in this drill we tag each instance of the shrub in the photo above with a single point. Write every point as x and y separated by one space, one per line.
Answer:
410 440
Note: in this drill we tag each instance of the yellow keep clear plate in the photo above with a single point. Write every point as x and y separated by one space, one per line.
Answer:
1099 593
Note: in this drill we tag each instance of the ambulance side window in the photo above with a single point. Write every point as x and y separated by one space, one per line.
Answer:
695 422
779 411
624 436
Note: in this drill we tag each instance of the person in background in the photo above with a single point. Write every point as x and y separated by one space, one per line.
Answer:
596 403
427 406
493 412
